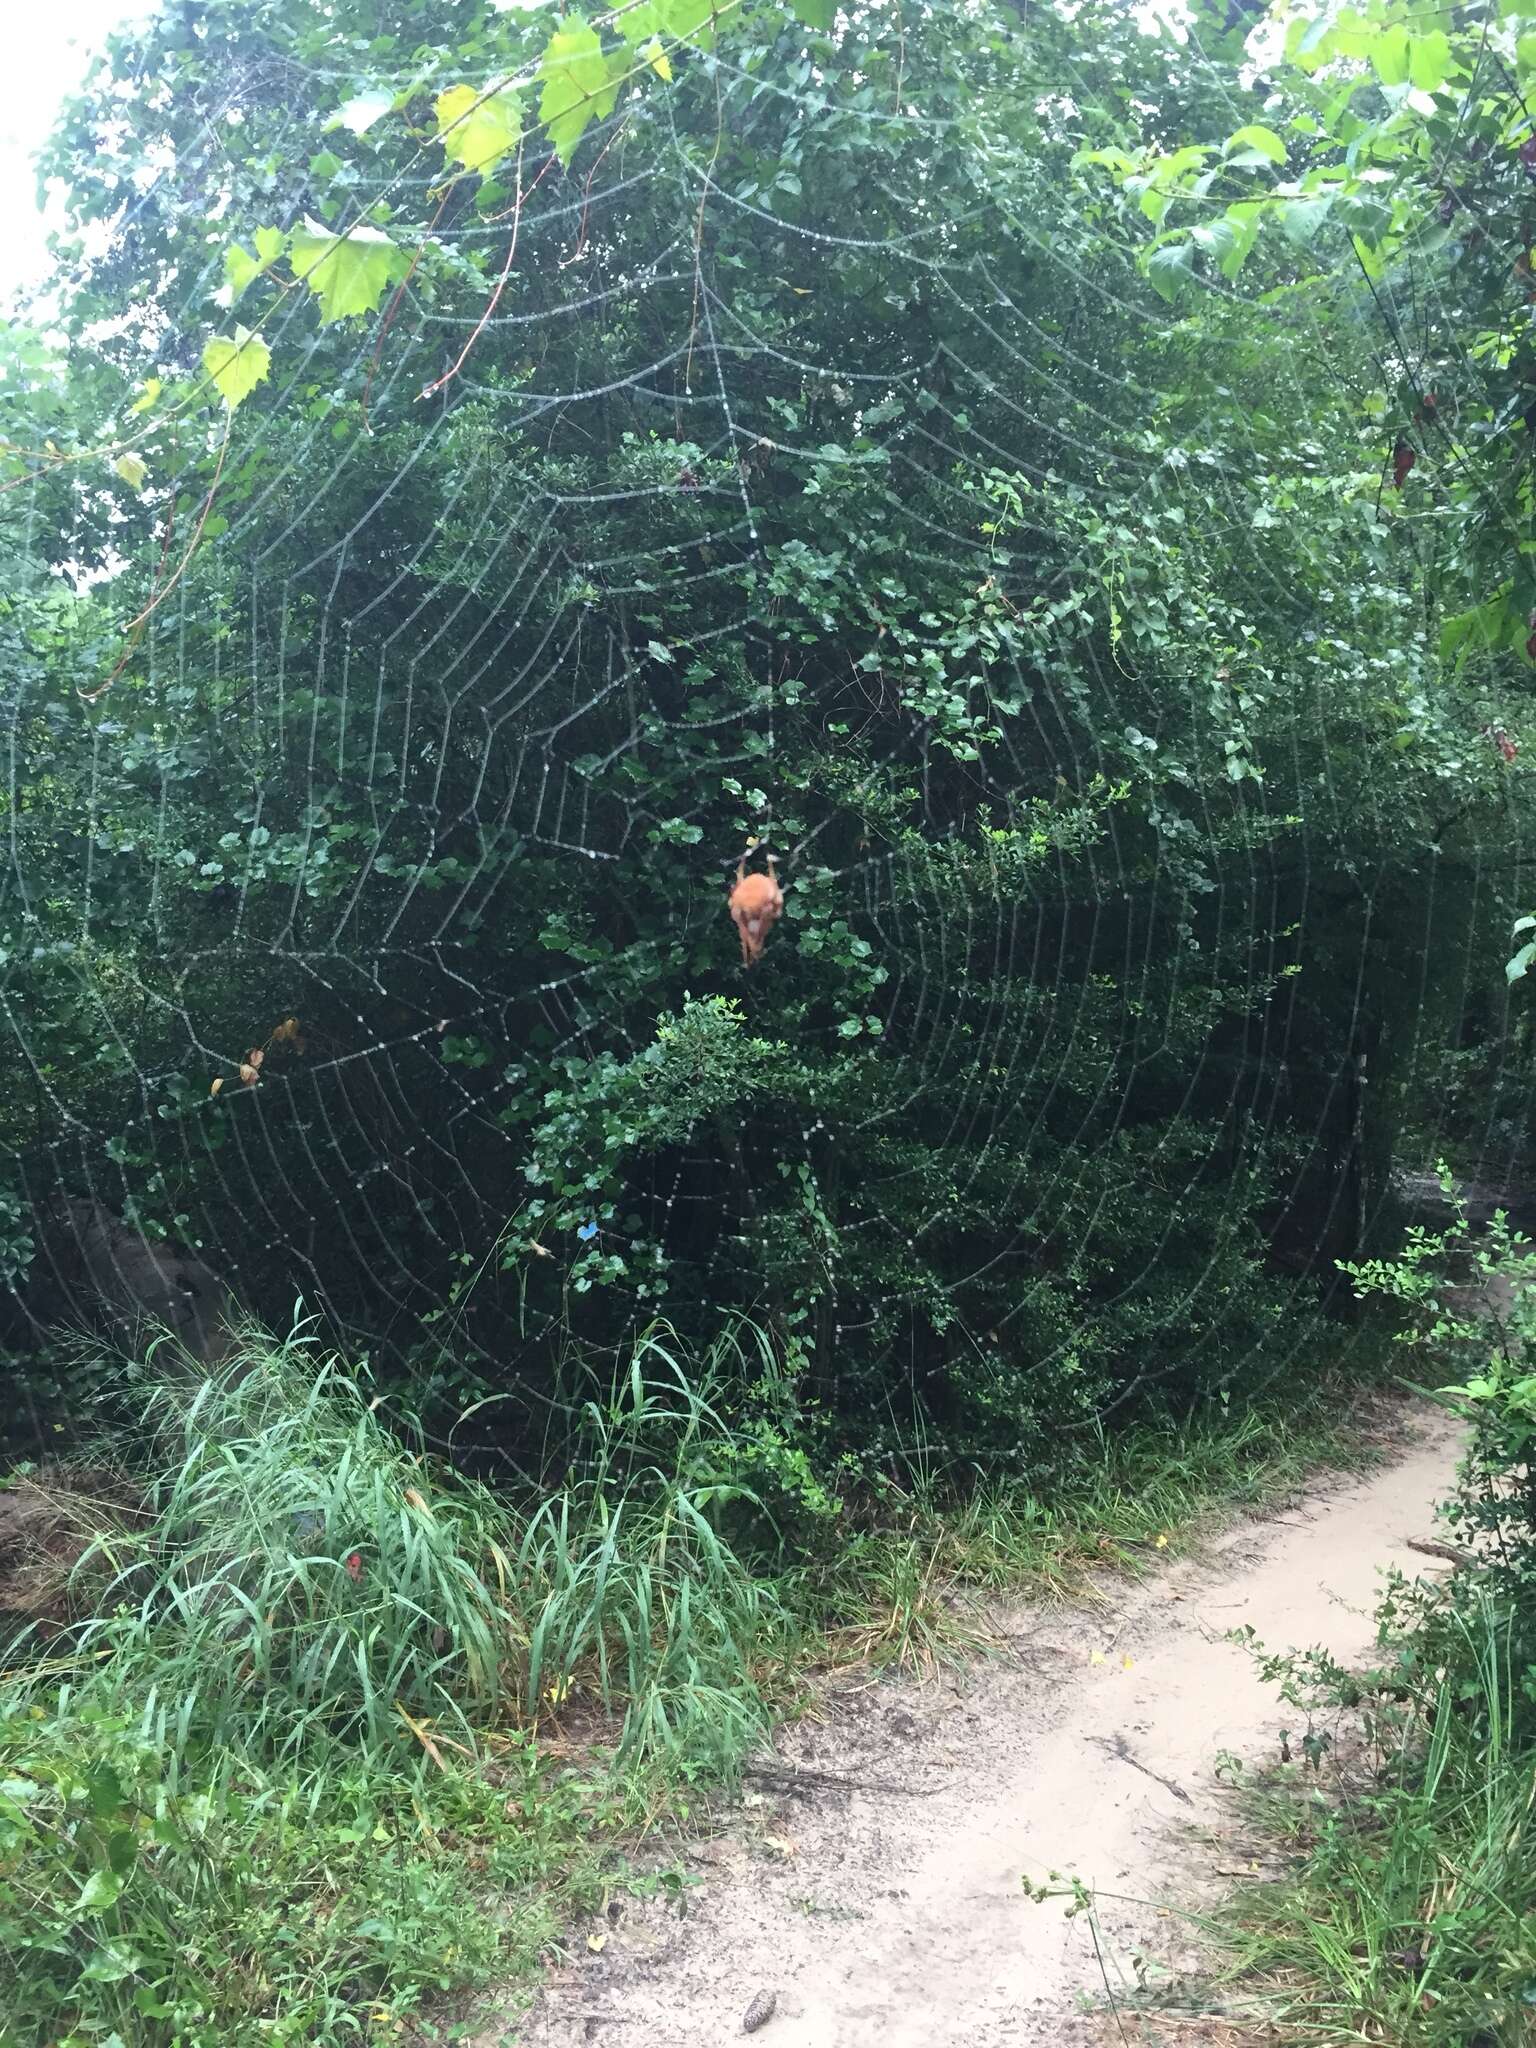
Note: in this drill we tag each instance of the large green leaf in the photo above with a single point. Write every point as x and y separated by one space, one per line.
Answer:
1478 631
1389 55
1256 141
1234 246
237 367
241 268
578 86
691 21
349 273
100 1890
1303 218
1171 269
1429 60
477 129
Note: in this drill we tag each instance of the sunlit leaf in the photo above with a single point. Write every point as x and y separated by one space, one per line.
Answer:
477 129
1429 59
657 58
100 1890
1259 140
1389 55
578 87
237 367
638 24
241 267
350 273
133 469
148 396
691 21
817 14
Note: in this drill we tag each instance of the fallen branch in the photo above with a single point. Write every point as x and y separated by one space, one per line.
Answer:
1429 1548
786 1774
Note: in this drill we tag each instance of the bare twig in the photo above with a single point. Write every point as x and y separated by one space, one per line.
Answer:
1118 1747
787 1774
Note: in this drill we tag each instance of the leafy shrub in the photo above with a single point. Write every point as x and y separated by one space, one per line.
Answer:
1409 1912
156 1892
1470 1303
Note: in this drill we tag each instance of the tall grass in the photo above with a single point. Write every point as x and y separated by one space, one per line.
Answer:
639 1600
298 1572
302 1575
1409 1911
341 1728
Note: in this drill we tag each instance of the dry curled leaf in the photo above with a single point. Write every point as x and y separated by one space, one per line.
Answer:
256 1056
248 1074
218 1084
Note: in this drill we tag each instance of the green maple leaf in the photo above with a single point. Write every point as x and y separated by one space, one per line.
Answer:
349 273
236 367
476 130
688 20
578 86
241 268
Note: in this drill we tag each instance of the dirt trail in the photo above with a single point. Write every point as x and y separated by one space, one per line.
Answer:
895 1916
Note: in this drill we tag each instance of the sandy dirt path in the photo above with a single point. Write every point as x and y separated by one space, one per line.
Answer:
892 1912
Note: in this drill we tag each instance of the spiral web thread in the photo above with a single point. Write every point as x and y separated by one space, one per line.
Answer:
310 1204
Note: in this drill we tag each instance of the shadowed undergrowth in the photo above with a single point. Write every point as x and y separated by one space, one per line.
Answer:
337 1730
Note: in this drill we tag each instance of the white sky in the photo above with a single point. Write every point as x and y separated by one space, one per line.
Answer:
48 46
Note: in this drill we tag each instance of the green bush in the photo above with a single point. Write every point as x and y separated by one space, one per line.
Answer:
289 1765
156 1890
1408 1913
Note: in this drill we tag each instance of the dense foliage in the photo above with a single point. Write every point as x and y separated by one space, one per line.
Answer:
1406 1907
461 517
1060 483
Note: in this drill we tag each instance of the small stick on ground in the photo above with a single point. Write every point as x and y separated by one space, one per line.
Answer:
786 1774
1118 1747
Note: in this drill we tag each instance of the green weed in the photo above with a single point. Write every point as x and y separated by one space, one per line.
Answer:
1408 1911
343 1732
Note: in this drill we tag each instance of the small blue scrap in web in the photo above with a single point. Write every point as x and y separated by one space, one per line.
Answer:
587 1232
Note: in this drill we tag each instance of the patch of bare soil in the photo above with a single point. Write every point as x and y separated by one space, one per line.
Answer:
871 1889
49 1519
